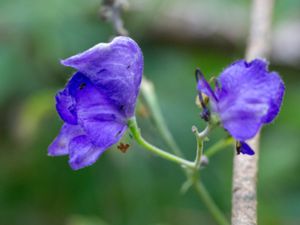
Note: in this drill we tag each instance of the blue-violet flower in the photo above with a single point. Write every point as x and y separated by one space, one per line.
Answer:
98 100
246 96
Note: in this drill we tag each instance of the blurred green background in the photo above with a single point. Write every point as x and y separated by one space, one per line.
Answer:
136 188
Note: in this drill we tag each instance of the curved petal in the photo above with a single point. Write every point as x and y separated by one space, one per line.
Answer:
240 123
103 122
83 153
65 106
246 149
76 83
276 97
249 97
204 87
60 144
115 68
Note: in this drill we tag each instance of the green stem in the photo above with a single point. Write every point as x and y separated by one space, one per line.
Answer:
210 204
200 189
132 124
151 100
147 90
217 147
199 151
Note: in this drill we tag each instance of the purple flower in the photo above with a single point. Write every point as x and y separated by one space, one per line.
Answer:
98 100
246 97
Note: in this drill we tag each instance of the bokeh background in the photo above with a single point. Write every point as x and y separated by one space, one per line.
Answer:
136 188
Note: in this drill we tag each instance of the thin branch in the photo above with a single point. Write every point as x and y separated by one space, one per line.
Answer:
147 90
111 11
244 198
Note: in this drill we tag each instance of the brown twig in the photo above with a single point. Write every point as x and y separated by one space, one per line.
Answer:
245 168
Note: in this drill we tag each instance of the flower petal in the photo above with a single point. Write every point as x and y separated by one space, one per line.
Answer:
65 99
204 87
103 122
246 149
242 124
60 144
276 97
116 68
65 106
83 153
249 97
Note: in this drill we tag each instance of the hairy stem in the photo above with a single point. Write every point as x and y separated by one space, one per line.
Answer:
244 197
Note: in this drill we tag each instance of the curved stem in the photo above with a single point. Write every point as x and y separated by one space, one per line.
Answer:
198 186
199 153
132 124
217 147
147 90
203 134
199 139
210 204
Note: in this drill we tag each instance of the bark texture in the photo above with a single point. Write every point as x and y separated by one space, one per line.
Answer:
245 168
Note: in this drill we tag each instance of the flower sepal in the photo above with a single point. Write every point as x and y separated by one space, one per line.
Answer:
244 148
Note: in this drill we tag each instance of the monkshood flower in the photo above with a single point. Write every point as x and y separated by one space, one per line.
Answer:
98 100
246 97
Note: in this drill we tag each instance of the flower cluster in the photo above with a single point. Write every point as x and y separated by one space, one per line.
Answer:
245 98
98 100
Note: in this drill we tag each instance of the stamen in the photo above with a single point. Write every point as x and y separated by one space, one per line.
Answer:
244 148
238 147
205 114
217 84
198 74
203 105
